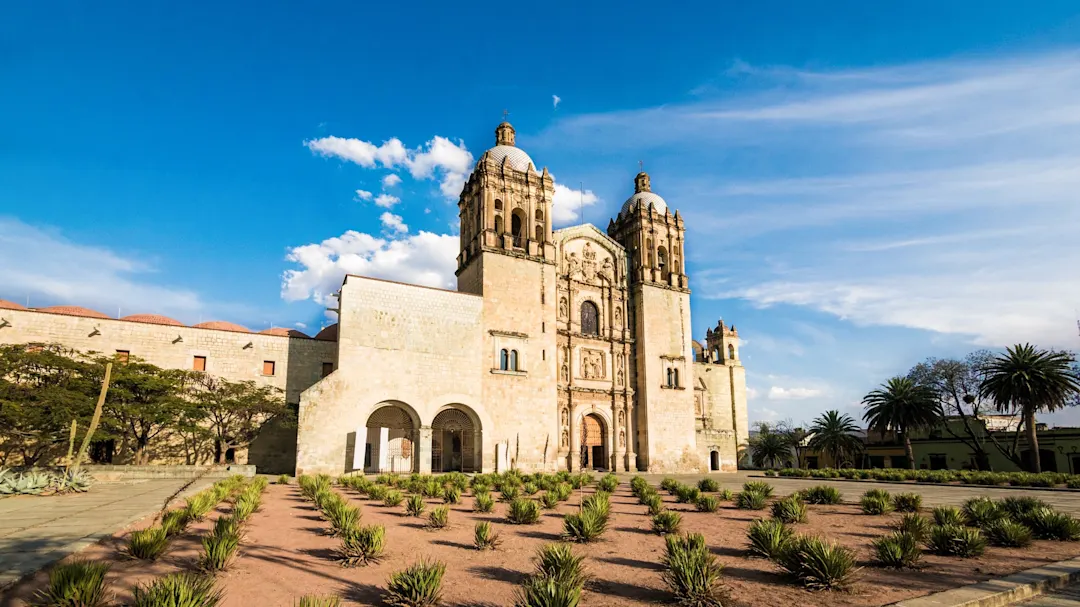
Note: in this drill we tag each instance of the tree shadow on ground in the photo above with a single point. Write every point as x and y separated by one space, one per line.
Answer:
618 560
628 591
453 544
635 530
500 574
541 535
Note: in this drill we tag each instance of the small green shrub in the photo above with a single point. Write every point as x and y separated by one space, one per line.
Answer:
564 490
178 590
451 495
414 506
377 492
685 494
907 502
769 537
549 500
147 543
751 500
956 540
982 512
200 504
393 498
361 545
639 485
1004 532
543 591
655 504
343 518
608 482
881 493
914 525
669 484
439 518
523 511
283 479
691 573
484 503
246 505
484 538
175 522
530 488
819 564
418 585
559 562
708 485
510 493
948 515
314 600
790 510
219 550
77 583
898 550
666 522
1046 524
725 495
875 504
585 526
1019 507
821 494
759 487
707 503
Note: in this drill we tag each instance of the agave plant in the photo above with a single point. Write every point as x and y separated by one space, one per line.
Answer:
177 590
361 545
523 511
419 585
147 544
484 538
691 572
769 537
819 564
78 583
898 550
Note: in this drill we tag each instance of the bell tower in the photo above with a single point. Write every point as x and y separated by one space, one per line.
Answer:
660 307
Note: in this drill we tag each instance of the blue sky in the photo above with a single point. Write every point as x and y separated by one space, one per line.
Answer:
865 184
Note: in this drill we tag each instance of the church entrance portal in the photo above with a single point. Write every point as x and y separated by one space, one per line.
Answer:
593 443
453 442
389 445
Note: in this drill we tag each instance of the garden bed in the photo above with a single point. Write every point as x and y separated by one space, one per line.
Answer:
286 553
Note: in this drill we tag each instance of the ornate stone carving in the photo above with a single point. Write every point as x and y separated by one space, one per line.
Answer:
622 438
588 265
608 270
592 364
622 418
565 438
572 264
565 417
564 308
618 316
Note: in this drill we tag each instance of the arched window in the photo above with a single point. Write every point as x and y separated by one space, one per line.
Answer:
590 318
498 225
675 375
504 360
661 257
498 204
670 378
539 233
513 360
648 247
731 351
716 355
539 215
518 228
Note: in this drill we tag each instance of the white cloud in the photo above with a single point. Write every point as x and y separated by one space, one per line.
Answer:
423 259
364 153
300 325
386 201
439 159
393 222
568 204
751 393
53 270
363 195
779 393
555 99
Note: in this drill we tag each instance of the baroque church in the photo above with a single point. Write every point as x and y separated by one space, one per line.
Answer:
560 350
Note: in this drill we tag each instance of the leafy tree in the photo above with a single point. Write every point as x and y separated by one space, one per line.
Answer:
769 447
144 403
1029 380
234 412
836 435
903 405
42 389
956 384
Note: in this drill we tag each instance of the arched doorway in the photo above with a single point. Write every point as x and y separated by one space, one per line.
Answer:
593 443
714 461
454 441
389 444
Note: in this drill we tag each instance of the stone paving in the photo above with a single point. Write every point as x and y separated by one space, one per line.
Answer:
1066 597
37 531
933 495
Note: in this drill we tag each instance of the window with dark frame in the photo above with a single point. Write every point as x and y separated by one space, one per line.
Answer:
590 318
268 367
123 356
199 363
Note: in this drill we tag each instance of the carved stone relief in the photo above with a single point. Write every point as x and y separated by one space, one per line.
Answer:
608 270
592 364
588 265
572 264
564 308
622 438
618 316
564 370
565 438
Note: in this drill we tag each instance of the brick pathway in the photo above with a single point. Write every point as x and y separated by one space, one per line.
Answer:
933 495
37 531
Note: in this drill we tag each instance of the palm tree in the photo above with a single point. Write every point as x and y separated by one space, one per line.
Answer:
901 405
834 434
769 448
1029 380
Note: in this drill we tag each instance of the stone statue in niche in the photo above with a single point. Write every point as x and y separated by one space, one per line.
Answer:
564 373
572 264
588 266
618 316
592 364
622 418
565 418
565 438
608 269
622 438
564 308
620 378
697 405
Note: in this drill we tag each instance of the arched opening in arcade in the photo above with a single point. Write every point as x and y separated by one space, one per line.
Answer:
714 460
455 440
390 444
594 447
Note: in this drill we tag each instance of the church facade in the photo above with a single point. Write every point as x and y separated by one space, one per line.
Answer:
560 349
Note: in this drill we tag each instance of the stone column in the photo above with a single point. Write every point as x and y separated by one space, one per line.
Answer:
384 450
575 442
631 457
424 450
478 451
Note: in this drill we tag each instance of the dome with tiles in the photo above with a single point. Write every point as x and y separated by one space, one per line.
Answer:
505 149
74 311
222 325
643 196
330 333
153 319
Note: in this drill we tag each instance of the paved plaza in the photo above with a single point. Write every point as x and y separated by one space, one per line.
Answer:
1067 597
37 531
